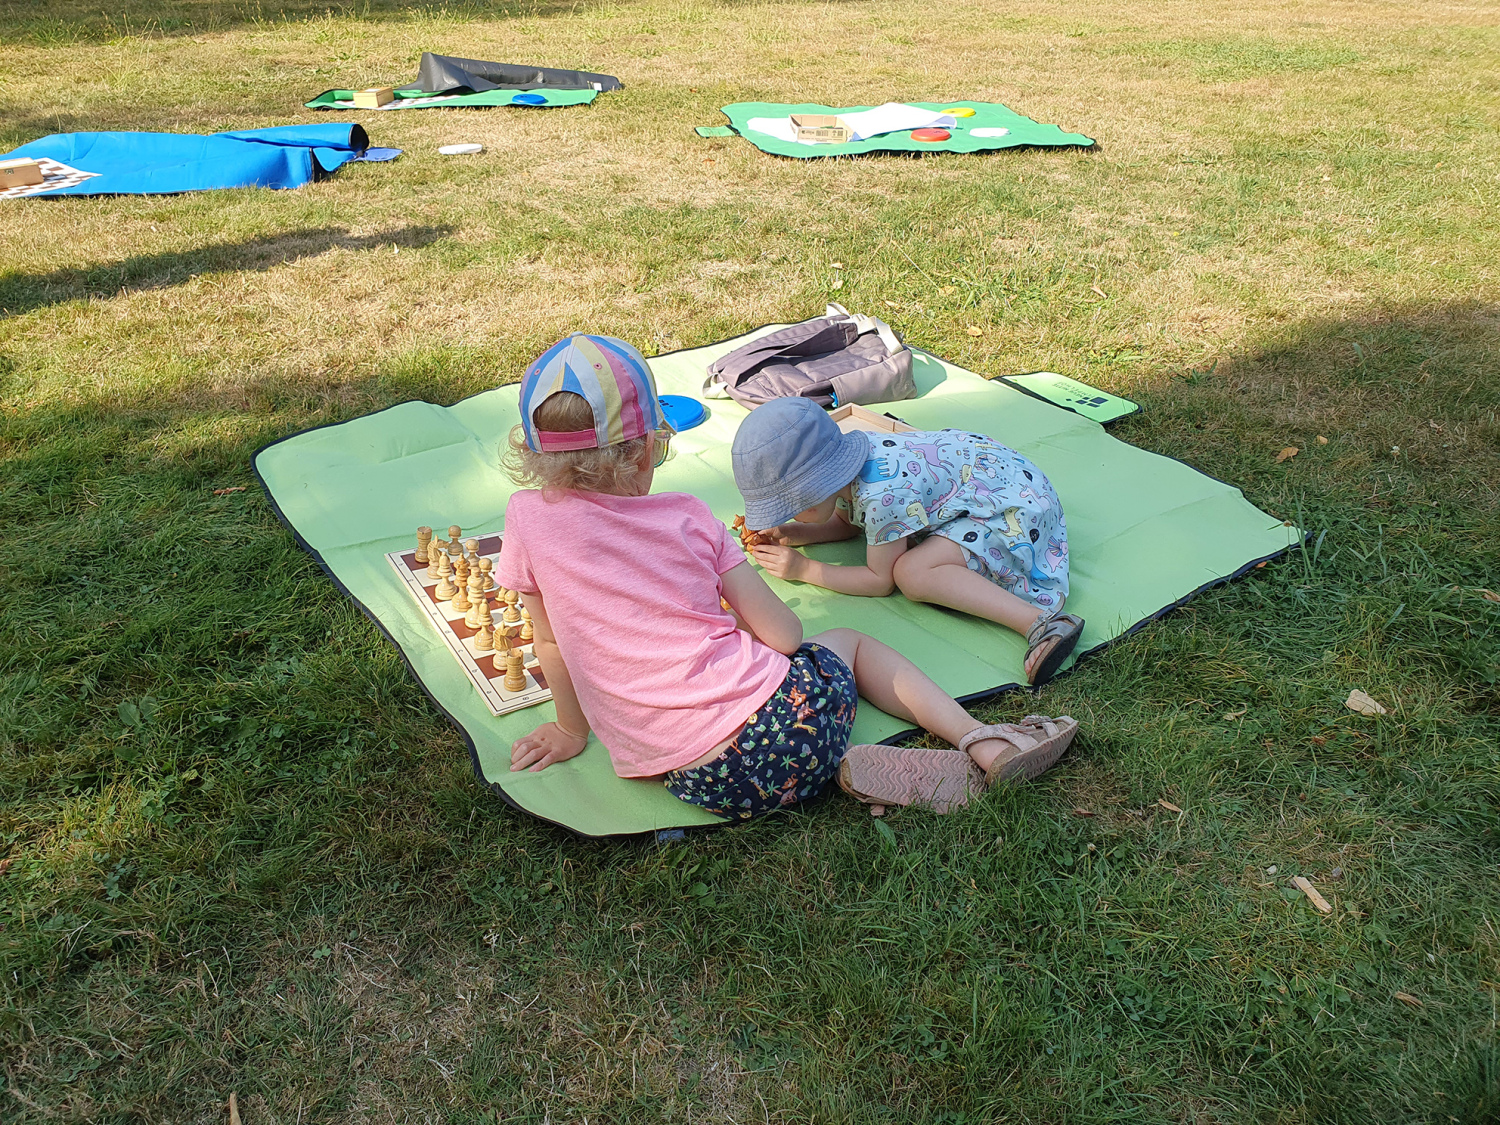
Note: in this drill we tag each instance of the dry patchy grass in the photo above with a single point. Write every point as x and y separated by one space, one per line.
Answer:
288 885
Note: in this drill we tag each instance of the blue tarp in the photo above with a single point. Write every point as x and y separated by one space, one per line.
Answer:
286 156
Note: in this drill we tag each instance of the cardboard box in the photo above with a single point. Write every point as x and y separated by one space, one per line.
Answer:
374 97
20 173
821 128
852 416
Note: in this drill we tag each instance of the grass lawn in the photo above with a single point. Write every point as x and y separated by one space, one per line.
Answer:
241 851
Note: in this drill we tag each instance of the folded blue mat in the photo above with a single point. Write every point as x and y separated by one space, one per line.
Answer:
286 156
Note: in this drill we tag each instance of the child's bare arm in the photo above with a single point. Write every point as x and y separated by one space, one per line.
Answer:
566 737
763 613
873 580
794 534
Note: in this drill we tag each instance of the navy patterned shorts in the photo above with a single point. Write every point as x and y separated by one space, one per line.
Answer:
790 748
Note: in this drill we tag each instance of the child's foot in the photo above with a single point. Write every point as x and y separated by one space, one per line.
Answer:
1019 751
941 780
1048 644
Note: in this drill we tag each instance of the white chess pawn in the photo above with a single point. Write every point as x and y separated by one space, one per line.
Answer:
484 640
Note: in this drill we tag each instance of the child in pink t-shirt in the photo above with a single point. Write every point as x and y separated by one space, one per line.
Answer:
655 633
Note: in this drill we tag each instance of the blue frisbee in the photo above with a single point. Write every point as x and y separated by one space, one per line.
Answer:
529 99
682 412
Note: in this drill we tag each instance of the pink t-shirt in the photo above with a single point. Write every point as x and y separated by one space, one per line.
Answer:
632 590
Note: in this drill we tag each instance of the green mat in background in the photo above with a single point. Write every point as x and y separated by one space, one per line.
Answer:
1145 533
415 99
1070 394
1023 130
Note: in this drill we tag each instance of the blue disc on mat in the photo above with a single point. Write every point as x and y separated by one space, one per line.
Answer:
682 412
529 99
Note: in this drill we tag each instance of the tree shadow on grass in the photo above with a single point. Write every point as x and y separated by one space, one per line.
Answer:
62 22
23 292
1386 406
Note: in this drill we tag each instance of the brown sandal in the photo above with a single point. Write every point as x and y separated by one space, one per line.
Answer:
941 780
1038 741
1063 630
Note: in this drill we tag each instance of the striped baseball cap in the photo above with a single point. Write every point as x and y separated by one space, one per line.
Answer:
610 374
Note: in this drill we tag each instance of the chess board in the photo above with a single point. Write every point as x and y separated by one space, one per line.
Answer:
485 669
57 175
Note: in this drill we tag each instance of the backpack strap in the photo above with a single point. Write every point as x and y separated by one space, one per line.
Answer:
863 324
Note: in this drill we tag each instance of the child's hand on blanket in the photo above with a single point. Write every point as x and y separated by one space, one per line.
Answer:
784 562
547 744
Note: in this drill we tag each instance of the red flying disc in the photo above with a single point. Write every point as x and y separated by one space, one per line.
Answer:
930 134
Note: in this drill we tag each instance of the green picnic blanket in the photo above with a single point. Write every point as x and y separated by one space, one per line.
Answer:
1022 131
416 99
1145 533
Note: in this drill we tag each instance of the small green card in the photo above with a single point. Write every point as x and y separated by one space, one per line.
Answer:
1070 394
714 131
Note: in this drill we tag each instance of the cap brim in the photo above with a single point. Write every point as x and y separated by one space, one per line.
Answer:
827 477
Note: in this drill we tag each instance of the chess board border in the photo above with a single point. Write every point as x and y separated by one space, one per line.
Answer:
495 698
898 736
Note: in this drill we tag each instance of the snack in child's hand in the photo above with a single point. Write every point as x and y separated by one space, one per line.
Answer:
749 538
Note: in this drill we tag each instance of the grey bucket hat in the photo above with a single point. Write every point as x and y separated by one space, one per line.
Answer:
789 455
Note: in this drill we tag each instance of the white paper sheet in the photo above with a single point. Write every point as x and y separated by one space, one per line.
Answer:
893 117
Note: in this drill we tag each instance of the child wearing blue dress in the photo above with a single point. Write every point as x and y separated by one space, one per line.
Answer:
949 517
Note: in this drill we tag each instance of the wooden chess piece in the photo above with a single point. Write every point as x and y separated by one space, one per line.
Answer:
424 537
486 568
484 640
515 670
478 604
453 545
527 633
435 557
511 616
445 587
471 552
460 600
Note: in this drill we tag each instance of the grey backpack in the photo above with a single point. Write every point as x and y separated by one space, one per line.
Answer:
834 359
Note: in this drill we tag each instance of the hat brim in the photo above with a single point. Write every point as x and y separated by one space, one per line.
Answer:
818 483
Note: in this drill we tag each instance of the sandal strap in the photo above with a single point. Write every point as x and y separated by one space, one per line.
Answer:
1006 732
1054 625
1023 735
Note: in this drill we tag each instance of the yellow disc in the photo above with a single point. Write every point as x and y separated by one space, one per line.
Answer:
959 111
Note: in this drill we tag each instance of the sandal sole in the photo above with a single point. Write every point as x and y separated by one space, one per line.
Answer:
941 780
1054 659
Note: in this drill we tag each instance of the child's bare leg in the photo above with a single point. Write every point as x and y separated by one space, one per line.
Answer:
898 687
934 571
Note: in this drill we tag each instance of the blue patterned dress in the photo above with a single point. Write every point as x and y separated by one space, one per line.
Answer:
968 488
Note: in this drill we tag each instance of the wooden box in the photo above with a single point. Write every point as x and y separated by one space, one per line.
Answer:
20 173
852 416
374 97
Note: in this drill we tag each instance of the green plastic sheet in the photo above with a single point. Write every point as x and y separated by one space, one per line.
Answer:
415 99
987 115
1070 394
1145 533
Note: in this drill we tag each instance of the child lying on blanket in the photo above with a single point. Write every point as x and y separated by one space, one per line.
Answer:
949 517
733 710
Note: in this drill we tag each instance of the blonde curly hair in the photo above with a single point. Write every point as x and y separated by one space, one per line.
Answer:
610 470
